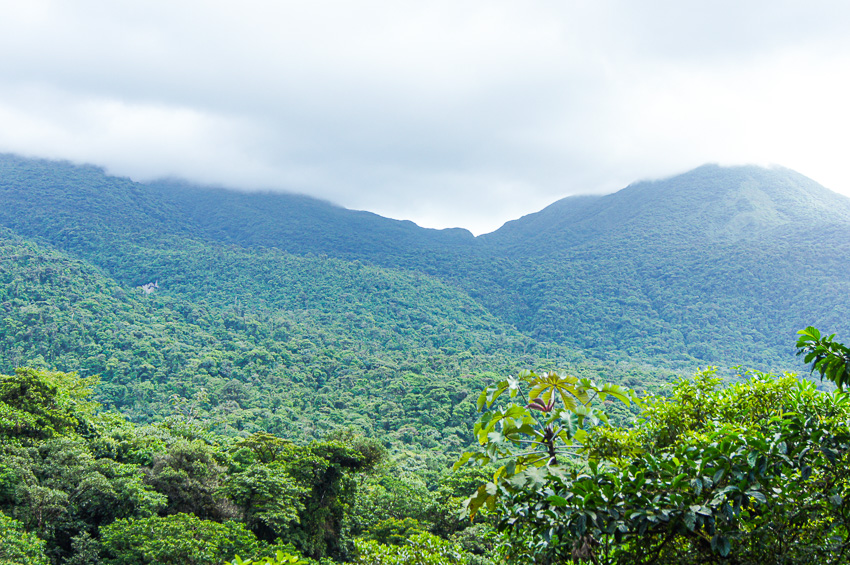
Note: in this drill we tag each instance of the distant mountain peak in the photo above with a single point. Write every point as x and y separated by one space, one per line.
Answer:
710 201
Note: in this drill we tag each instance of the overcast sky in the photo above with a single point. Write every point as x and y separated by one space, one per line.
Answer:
447 113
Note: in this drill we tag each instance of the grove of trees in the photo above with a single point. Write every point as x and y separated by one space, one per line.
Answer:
752 472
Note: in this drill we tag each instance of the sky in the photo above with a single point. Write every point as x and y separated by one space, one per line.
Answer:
461 113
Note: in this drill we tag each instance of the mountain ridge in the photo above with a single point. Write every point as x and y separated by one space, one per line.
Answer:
747 189
684 268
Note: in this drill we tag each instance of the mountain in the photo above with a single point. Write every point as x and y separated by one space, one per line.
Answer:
300 224
718 264
297 316
105 276
718 203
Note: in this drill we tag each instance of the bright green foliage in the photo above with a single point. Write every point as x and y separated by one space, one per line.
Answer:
188 473
40 404
18 546
328 470
268 496
393 531
334 320
395 503
81 478
318 318
393 495
179 539
547 424
60 490
758 472
400 357
279 558
420 549
828 357
50 478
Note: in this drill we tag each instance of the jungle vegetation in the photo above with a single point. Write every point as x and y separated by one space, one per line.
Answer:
270 378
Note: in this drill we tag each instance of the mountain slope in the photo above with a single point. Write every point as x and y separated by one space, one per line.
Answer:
296 345
718 265
711 202
300 224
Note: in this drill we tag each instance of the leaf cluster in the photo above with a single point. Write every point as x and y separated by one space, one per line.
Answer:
757 471
548 422
826 356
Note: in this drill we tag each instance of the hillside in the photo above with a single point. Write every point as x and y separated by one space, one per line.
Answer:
246 338
342 315
716 265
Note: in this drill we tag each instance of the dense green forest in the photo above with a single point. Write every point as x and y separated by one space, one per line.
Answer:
357 347
251 338
81 485
260 369
752 473
716 266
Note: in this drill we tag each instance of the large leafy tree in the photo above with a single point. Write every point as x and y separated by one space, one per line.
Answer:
19 546
179 539
540 427
38 404
758 472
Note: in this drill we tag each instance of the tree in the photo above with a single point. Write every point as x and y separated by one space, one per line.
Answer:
189 475
18 545
59 490
268 496
179 539
280 558
419 549
37 404
758 472
303 494
546 428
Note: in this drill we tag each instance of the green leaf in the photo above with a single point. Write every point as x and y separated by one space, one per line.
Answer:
690 520
718 475
752 457
721 544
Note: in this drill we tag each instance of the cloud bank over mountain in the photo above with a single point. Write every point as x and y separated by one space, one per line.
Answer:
446 114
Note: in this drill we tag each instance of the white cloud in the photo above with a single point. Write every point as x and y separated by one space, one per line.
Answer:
446 113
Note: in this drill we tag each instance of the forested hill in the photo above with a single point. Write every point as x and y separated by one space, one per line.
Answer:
719 265
301 224
244 338
713 203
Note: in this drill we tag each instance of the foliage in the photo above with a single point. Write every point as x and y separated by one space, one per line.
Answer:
646 271
828 357
188 473
269 497
287 325
40 404
18 546
396 494
50 479
95 483
333 325
547 424
419 549
399 359
178 539
757 472
393 531
279 558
